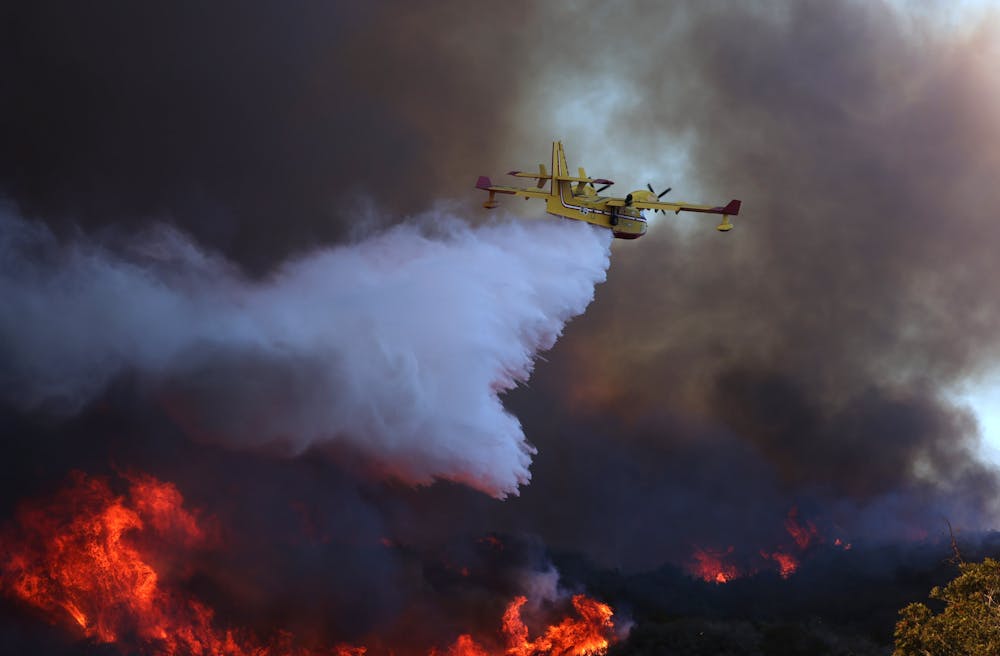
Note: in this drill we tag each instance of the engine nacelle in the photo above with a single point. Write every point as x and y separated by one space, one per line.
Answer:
641 195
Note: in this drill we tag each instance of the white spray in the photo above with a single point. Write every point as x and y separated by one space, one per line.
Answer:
395 349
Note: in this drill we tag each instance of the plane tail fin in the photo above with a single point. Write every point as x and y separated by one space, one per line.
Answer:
733 208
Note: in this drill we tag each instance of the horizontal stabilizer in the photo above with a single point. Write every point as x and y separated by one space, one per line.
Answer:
525 174
540 177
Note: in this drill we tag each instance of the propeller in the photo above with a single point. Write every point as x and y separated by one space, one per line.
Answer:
604 187
659 195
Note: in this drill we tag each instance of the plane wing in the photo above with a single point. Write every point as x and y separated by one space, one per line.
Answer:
578 179
541 175
731 209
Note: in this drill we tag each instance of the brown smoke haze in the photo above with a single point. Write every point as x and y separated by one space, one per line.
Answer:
864 144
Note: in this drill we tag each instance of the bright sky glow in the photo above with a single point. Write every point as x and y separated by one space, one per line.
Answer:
950 13
983 397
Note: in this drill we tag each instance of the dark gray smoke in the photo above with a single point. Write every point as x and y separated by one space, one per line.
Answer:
222 118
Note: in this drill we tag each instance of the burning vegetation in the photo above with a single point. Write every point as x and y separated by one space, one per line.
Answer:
711 566
109 567
717 566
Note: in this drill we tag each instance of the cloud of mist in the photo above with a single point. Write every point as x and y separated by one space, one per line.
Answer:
396 348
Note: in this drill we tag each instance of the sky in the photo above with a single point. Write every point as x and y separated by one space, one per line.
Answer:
836 352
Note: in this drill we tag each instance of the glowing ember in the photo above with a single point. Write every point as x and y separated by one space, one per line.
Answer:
711 566
84 559
349 651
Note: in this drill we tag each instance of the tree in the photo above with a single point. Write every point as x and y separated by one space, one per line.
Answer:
969 625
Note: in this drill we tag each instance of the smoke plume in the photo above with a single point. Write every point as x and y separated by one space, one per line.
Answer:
394 350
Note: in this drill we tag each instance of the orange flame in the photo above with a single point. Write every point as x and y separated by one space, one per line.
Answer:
78 559
803 534
464 646
787 563
710 565
84 561
572 637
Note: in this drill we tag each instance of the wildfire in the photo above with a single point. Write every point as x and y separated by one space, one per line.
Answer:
78 559
84 560
787 563
588 635
711 566
572 637
804 534
465 646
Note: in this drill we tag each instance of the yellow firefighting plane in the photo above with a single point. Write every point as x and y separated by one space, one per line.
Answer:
574 197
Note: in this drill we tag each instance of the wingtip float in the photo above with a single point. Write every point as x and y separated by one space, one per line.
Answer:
576 198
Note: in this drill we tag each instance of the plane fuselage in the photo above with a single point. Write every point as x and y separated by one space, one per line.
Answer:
624 222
